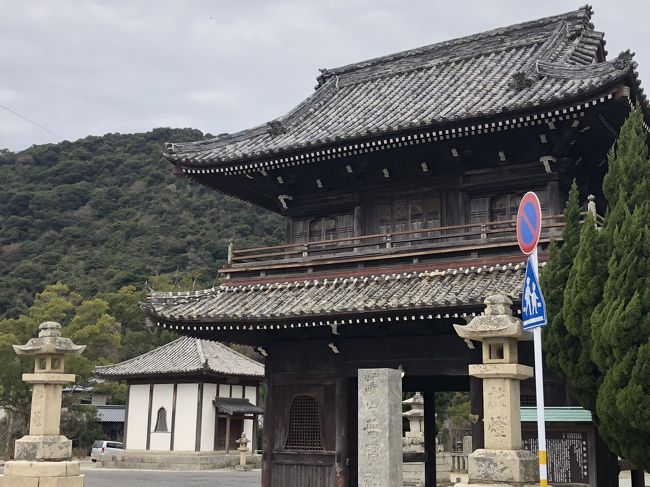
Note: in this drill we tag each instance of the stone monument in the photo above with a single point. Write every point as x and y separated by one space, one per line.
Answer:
380 428
502 461
43 458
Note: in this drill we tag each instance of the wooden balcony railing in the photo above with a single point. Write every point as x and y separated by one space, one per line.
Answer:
445 239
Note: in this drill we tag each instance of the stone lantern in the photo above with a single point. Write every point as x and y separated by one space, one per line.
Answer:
43 456
414 438
243 450
502 460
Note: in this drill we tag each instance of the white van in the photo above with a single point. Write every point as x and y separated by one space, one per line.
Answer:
102 447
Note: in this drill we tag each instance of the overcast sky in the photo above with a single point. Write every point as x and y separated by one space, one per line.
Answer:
84 67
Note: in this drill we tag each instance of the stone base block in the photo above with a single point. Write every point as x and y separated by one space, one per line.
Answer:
43 448
177 460
22 468
7 481
243 468
18 481
462 484
502 467
62 481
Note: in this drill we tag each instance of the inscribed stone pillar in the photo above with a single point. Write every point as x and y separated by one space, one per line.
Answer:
43 456
380 428
502 461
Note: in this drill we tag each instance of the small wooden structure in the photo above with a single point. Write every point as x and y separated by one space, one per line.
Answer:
399 180
189 395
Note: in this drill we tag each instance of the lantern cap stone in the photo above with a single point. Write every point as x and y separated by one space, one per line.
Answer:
495 322
49 341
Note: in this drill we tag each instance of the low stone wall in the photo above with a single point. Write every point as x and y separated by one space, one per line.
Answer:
178 461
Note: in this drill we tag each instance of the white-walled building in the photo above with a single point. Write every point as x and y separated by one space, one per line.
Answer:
189 395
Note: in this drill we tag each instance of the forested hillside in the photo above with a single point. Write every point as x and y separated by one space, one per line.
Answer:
104 212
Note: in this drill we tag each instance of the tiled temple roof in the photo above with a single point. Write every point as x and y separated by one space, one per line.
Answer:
524 66
236 406
293 302
185 356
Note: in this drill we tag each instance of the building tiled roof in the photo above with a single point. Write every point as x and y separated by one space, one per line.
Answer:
185 356
236 406
292 302
523 66
110 414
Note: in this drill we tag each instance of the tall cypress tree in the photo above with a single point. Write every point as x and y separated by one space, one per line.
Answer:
620 323
558 343
605 311
582 294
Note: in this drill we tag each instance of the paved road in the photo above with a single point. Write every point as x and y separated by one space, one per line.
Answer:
127 478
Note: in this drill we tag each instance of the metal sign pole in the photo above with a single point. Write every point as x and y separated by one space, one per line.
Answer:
539 389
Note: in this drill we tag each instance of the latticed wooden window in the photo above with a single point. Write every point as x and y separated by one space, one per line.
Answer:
323 228
304 425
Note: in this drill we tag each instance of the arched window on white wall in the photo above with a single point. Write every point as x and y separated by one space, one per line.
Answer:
161 421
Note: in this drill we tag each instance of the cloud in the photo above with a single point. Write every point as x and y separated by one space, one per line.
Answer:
92 67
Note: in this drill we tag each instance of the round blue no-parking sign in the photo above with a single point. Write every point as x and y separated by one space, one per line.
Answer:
529 222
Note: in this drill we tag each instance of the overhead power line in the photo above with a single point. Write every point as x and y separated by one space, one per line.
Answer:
32 122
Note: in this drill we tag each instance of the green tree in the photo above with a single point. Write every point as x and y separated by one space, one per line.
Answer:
102 213
606 309
582 294
85 321
554 276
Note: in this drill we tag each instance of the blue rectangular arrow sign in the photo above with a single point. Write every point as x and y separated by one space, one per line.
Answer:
533 307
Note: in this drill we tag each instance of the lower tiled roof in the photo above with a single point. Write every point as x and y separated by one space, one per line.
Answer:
291 302
185 356
236 406
110 414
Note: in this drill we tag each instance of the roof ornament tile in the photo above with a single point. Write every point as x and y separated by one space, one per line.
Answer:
520 81
277 127
624 60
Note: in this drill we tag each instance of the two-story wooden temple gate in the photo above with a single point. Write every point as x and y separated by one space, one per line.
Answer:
399 179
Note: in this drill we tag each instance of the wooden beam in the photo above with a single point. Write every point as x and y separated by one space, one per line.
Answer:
267 439
126 415
148 446
341 415
227 434
199 417
429 439
174 394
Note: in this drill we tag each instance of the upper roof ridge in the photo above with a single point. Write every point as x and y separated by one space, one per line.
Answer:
146 354
582 18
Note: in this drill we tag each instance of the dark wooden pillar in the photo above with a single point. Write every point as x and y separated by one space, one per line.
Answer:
149 417
254 438
199 417
606 465
126 415
429 439
638 477
476 405
174 395
228 418
267 440
342 436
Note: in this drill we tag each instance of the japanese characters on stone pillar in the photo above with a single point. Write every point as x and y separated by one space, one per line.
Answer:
380 428
502 460
42 458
